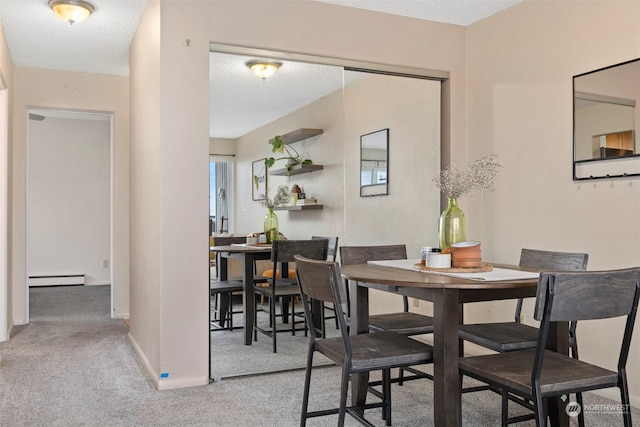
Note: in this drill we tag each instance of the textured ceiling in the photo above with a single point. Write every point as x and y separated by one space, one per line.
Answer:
240 101
37 38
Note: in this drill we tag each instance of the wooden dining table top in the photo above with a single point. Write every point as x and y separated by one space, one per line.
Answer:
240 248
422 279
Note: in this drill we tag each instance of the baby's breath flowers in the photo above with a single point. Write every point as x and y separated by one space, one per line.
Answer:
282 197
479 175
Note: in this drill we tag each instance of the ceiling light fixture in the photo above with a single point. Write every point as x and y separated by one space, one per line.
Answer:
71 11
262 69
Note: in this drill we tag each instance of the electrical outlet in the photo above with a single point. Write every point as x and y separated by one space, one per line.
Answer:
416 302
105 263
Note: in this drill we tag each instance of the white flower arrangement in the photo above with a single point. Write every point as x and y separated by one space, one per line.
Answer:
282 197
479 175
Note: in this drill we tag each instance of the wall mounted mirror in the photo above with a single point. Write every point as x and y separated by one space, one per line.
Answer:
374 163
605 119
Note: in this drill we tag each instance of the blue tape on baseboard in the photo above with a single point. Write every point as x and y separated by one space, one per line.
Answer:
164 375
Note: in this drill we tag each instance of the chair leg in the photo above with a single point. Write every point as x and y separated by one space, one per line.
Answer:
343 397
293 316
272 304
540 411
624 399
400 376
307 386
581 414
255 322
386 396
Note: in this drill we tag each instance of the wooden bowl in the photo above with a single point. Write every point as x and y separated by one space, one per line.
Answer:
466 254
466 263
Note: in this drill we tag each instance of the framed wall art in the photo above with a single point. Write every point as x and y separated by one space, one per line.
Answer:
258 180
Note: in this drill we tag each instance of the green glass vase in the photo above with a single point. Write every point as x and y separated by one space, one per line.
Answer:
453 225
271 231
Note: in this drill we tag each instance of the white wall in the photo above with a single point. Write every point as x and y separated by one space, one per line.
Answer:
69 195
6 292
70 91
520 67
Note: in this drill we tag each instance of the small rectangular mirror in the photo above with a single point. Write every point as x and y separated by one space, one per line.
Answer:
374 163
605 120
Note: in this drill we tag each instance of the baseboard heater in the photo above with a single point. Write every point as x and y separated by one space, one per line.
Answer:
56 280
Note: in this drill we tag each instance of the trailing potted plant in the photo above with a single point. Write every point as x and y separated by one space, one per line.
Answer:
292 157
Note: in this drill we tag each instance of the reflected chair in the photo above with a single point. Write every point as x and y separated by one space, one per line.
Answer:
222 292
332 252
538 374
404 322
321 281
285 289
504 337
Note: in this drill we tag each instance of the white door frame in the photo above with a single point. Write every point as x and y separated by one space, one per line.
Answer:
4 209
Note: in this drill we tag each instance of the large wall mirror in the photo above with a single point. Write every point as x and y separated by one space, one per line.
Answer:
374 163
605 120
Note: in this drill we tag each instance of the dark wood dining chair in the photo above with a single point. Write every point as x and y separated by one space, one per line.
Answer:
511 336
404 322
321 281
332 253
222 291
537 374
284 288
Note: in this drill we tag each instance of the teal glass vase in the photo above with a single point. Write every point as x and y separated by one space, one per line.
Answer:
271 231
453 225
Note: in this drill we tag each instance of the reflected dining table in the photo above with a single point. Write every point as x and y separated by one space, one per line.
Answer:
247 255
448 294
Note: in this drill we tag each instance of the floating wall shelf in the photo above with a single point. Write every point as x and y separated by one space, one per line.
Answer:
298 135
298 208
296 170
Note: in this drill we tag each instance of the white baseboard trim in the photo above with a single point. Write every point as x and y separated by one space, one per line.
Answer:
145 362
56 279
98 283
165 383
169 384
120 315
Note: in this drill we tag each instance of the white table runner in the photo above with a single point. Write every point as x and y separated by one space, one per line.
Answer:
495 275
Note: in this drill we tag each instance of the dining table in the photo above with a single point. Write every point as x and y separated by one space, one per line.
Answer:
247 254
448 293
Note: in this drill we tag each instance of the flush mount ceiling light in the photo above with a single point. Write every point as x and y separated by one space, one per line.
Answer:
71 11
262 69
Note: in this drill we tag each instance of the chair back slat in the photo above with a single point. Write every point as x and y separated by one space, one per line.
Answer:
321 281
554 261
332 251
362 254
587 295
314 278
550 261
284 250
228 240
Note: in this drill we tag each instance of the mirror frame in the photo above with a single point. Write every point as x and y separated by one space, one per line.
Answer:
369 190
618 165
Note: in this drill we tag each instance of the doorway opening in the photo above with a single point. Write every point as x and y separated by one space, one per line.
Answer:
69 198
220 195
